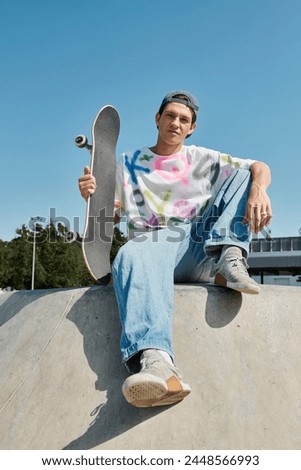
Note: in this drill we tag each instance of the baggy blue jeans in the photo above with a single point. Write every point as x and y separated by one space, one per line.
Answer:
146 268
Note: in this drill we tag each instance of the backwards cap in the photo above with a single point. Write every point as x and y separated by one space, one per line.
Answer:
189 99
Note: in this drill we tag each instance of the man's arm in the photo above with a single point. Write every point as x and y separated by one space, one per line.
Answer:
86 183
258 210
87 186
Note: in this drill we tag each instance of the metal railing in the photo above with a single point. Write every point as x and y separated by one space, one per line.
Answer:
275 244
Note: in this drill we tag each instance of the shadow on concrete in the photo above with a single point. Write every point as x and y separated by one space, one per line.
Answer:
222 306
96 316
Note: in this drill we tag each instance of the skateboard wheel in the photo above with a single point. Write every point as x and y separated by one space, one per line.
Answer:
73 236
81 141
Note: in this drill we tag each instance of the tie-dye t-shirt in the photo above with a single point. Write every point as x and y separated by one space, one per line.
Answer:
156 191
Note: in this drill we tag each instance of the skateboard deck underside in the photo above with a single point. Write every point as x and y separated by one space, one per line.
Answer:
99 227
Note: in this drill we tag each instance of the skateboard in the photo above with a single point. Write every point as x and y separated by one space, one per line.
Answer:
99 224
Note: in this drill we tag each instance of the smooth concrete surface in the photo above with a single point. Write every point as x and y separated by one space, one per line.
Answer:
61 374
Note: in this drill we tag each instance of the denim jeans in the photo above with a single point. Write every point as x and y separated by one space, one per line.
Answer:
146 268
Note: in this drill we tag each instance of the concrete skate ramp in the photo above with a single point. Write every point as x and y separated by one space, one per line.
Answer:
61 374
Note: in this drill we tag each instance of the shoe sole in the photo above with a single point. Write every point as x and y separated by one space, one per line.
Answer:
219 280
152 392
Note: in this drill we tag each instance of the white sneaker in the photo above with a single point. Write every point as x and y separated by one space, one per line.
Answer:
231 271
157 384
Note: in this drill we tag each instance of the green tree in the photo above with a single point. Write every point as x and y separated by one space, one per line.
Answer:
20 260
4 263
57 262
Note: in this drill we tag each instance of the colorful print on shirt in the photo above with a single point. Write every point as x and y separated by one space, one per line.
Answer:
156 191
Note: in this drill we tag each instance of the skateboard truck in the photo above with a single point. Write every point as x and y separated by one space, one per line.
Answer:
73 236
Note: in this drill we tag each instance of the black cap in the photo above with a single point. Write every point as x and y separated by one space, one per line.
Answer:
188 99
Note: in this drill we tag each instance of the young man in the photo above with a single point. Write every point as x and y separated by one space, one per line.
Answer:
190 213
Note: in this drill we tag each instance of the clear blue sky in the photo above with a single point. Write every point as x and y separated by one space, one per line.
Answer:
61 60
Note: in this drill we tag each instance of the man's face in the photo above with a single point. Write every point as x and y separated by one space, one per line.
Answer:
175 123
